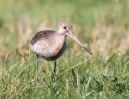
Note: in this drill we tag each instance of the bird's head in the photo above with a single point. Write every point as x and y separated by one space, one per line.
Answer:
66 29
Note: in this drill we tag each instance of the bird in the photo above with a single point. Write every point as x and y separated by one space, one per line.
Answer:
50 45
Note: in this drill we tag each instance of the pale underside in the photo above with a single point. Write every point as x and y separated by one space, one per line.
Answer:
51 48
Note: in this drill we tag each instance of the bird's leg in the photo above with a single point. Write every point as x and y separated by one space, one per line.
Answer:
54 68
54 72
36 68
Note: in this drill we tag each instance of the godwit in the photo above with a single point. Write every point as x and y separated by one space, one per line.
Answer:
50 45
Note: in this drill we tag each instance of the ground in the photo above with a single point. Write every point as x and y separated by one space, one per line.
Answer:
101 25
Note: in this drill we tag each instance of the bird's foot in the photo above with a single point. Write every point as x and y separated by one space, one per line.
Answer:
53 76
37 80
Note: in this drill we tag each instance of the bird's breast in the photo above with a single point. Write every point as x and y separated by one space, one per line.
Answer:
55 52
50 49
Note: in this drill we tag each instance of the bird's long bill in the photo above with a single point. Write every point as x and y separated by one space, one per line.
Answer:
76 40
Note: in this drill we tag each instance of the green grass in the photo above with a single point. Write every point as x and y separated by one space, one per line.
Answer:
76 78
102 25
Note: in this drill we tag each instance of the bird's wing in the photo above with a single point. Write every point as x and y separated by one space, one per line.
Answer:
42 35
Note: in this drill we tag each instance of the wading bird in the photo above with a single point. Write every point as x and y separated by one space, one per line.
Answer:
50 45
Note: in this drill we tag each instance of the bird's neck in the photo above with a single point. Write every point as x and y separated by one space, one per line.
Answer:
60 37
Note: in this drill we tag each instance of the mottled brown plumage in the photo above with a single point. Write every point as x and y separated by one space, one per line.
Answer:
45 34
48 44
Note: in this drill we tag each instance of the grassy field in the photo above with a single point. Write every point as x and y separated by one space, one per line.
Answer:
101 25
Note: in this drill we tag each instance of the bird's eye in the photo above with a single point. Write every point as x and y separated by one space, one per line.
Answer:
64 27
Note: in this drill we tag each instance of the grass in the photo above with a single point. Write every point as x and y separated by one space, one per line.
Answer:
100 25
